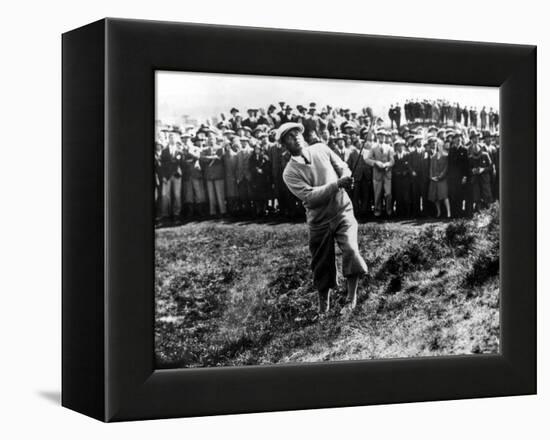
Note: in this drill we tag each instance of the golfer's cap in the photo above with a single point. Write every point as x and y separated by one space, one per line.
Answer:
284 128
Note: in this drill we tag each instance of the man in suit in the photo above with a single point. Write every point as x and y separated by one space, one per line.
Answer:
234 121
252 120
458 174
381 159
318 177
244 176
171 164
401 183
361 191
310 123
416 166
397 115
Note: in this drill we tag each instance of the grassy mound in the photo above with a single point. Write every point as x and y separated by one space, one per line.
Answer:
238 294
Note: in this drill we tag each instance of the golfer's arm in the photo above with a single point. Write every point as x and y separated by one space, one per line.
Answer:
312 196
338 164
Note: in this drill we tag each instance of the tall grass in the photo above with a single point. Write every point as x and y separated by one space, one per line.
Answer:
238 294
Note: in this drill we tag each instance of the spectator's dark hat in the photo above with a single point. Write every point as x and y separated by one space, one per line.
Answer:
234 110
284 128
271 107
282 103
312 104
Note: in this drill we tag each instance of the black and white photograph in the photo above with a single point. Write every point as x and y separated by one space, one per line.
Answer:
311 220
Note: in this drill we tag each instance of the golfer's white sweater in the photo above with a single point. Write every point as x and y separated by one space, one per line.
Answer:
316 183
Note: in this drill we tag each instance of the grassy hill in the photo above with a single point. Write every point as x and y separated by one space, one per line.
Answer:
241 293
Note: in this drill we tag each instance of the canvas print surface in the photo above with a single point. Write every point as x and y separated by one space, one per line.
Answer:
312 220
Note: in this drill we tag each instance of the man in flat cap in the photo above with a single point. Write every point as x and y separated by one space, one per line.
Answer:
318 177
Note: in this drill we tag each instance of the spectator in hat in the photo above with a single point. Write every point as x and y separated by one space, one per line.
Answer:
473 117
397 115
401 182
282 111
259 180
489 146
211 160
234 121
171 171
194 195
480 169
273 116
252 120
264 120
483 118
417 174
318 178
361 192
438 190
458 113
311 124
381 158
491 119
457 175
287 115
244 176
341 150
231 150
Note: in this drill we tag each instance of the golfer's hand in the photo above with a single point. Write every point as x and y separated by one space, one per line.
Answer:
345 182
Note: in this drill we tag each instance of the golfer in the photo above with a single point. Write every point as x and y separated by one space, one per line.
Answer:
318 177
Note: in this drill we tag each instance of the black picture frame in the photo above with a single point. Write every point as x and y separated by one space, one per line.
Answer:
108 231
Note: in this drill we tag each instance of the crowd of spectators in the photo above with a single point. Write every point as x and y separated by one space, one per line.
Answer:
440 161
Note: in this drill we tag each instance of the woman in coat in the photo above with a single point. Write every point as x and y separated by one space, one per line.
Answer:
438 190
